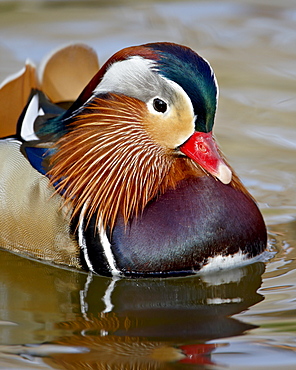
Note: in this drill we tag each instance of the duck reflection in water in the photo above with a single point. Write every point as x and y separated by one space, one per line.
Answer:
101 323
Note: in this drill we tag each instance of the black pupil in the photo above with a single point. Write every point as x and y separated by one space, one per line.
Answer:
159 105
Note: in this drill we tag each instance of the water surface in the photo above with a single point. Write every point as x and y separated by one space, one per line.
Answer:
53 318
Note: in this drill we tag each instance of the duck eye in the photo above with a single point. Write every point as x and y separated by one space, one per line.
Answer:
160 105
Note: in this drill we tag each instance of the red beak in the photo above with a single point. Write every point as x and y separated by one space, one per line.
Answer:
202 148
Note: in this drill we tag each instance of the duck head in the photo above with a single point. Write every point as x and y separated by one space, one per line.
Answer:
118 145
180 93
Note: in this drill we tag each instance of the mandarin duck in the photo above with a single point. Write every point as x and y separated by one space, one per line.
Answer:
128 180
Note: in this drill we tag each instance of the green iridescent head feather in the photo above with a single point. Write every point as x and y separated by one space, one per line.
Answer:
194 74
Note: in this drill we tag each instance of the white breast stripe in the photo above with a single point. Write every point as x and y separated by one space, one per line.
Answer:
105 244
108 251
82 242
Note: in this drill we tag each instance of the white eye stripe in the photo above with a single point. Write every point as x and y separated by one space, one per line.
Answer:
137 77
128 75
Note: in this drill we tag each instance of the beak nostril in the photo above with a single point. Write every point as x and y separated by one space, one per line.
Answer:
201 147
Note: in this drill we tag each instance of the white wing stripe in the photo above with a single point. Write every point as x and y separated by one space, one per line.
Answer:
32 112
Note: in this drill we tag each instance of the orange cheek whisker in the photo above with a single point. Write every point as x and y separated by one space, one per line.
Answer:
108 164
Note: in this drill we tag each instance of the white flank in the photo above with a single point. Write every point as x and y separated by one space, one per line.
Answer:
224 262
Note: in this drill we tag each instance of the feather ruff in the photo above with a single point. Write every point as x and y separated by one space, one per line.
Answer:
108 162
